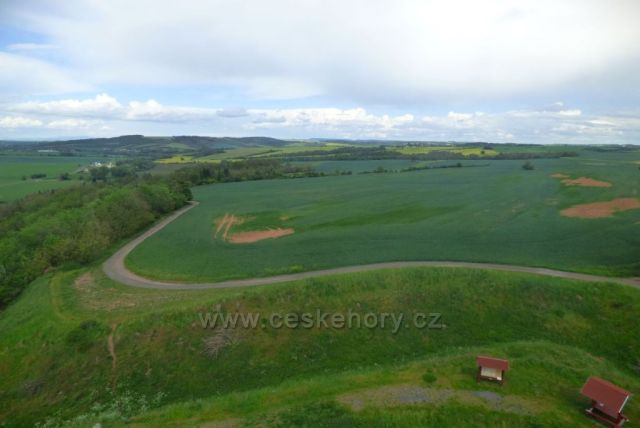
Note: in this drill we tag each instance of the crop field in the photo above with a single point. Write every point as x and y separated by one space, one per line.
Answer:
14 168
466 151
322 149
498 212
358 166
237 153
176 159
98 351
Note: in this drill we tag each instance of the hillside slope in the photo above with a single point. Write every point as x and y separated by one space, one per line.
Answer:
77 344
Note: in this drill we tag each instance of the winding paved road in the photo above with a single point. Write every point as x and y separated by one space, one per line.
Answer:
115 269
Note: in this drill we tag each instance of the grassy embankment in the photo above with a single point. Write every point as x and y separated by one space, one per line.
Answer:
55 359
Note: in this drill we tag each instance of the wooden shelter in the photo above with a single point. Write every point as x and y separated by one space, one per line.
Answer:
492 369
607 401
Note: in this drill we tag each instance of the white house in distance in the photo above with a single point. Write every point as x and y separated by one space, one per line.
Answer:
99 164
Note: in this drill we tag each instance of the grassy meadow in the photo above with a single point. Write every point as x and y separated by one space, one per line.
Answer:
237 153
360 166
486 211
14 167
328 149
80 348
466 151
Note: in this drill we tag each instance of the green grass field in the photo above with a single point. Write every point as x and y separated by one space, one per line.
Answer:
466 151
13 168
77 348
55 362
495 213
358 166
238 153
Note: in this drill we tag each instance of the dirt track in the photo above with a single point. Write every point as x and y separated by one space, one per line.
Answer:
115 269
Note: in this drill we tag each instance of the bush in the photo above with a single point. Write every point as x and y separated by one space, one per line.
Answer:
528 166
429 378
86 334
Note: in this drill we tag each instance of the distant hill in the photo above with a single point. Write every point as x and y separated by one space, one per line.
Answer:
232 142
148 147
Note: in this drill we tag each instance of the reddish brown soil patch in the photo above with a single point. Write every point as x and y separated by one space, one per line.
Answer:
585 182
601 209
259 235
225 223
582 181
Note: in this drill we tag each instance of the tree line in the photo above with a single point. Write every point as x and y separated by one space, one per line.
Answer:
382 153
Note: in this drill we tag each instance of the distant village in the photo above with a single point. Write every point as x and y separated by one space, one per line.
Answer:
97 164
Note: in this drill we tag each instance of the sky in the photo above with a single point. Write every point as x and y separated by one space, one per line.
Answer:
458 70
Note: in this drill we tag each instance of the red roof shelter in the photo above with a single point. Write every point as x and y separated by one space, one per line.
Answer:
607 401
492 369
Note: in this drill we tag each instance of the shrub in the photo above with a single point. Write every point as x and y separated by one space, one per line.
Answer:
528 166
429 377
86 334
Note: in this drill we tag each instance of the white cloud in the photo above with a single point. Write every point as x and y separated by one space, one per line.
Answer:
152 110
570 113
348 122
459 116
102 105
105 106
391 52
70 124
19 122
104 113
418 69
237 112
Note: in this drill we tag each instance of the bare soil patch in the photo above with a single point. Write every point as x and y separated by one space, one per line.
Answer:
84 282
259 235
415 395
225 223
580 181
393 396
585 182
601 209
